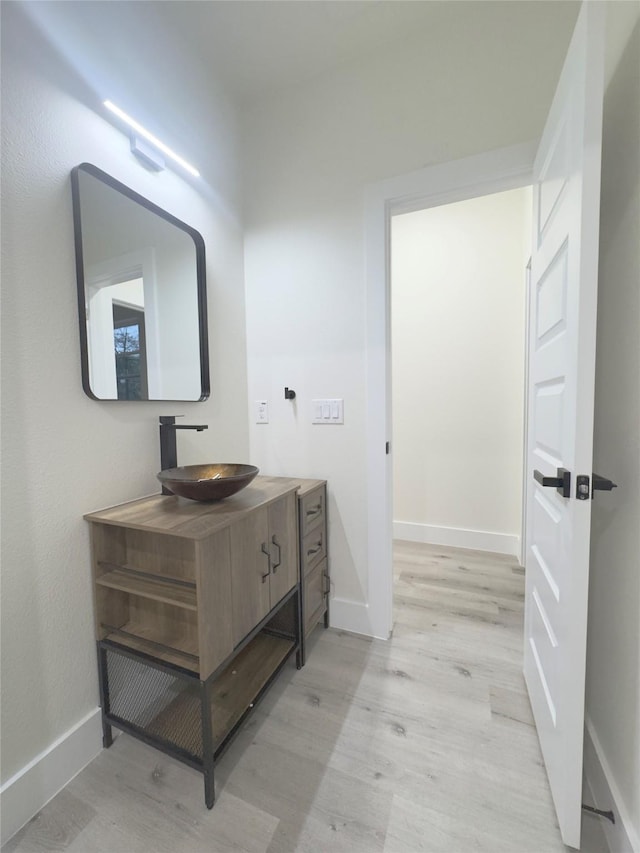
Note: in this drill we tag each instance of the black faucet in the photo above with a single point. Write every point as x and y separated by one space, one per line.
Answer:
168 448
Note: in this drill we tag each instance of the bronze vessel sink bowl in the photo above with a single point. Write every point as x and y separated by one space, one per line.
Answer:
207 482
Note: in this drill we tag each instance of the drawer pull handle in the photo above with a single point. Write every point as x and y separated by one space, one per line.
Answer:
312 551
314 510
327 589
265 550
275 542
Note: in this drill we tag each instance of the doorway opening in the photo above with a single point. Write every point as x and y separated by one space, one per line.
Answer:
458 334
482 175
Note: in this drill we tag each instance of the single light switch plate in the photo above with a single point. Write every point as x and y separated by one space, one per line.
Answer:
262 412
327 411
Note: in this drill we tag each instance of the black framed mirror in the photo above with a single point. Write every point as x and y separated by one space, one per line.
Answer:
142 299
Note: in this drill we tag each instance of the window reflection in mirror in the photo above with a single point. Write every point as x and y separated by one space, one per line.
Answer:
141 295
129 344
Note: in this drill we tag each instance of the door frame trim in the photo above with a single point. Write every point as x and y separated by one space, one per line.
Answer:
483 174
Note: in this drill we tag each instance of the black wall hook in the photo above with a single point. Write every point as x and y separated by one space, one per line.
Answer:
289 394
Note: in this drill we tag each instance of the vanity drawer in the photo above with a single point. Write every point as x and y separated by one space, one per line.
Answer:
312 510
314 548
315 585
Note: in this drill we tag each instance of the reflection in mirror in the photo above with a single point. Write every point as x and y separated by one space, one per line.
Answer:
129 340
141 295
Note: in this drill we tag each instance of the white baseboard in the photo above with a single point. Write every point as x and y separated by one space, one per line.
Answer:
621 835
458 537
352 616
24 794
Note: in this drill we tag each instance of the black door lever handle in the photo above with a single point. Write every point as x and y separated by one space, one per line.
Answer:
601 484
561 482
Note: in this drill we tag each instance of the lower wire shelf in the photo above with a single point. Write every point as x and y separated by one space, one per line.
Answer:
170 708
232 694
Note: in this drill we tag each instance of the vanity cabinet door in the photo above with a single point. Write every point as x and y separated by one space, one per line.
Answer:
249 539
283 542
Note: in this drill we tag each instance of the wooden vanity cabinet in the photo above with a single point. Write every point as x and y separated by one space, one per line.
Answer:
198 606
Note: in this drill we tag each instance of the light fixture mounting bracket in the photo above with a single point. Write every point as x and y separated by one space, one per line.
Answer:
147 153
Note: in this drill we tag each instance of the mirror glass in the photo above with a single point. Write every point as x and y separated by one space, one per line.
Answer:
141 295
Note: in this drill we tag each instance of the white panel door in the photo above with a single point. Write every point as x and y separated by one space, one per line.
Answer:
562 328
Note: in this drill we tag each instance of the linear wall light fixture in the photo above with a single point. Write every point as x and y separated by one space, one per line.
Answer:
144 133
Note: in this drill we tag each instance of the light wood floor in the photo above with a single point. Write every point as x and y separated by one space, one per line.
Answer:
424 743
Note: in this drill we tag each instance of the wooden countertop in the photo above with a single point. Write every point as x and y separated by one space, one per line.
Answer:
196 520
302 485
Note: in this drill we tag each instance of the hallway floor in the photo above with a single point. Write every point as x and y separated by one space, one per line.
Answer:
424 743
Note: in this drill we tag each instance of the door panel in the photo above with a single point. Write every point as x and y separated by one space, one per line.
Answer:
562 320
249 572
553 173
283 539
546 536
548 408
551 295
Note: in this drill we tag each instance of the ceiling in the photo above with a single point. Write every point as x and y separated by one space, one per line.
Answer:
259 46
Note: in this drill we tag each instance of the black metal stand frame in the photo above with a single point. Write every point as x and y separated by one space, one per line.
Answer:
210 755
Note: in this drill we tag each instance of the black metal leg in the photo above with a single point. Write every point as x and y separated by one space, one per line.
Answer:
107 733
327 593
207 745
300 653
209 788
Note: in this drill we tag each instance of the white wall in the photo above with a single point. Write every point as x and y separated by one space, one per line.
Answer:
457 309
64 454
613 658
309 153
